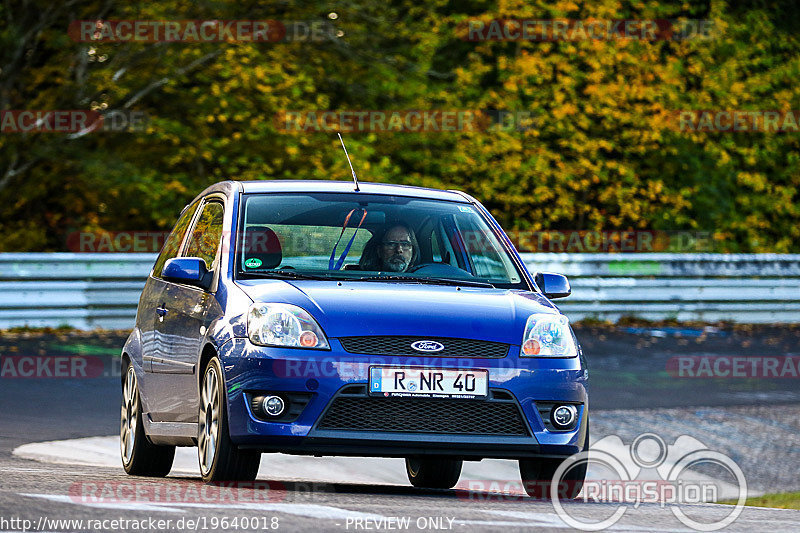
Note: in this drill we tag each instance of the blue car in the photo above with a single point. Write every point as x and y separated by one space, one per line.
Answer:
327 318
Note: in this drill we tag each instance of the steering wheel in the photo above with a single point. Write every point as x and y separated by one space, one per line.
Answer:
437 269
419 266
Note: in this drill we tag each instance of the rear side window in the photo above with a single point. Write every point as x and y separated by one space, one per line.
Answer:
305 246
173 242
207 234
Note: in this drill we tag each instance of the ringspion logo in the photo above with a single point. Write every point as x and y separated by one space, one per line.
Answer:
650 470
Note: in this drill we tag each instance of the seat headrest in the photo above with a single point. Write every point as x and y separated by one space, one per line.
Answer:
262 249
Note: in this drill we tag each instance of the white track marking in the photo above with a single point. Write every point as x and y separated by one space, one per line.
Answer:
45 470
104 452
297 509
539 519
553 520
309 510
126 506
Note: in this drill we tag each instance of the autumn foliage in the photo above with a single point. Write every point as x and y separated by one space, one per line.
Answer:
581 133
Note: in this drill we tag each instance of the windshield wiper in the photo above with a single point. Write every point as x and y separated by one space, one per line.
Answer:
286 274
293 274
428 280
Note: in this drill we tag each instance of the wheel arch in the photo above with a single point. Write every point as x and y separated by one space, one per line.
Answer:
208 351
125 363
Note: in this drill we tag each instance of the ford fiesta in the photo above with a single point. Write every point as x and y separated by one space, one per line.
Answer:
327 318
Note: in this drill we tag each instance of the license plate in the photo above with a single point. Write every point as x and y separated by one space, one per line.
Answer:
428 382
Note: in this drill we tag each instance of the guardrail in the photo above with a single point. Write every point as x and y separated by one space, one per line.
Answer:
88 291
748 288
84 291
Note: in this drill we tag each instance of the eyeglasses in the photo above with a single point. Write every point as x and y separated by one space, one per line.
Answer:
403 245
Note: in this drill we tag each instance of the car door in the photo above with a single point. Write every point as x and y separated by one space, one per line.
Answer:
185 308
151 298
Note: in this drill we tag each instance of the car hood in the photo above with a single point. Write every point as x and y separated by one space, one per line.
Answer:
378 308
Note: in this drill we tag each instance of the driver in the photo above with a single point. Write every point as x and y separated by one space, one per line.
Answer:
395 250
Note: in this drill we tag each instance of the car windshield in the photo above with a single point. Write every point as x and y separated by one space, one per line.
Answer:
370 237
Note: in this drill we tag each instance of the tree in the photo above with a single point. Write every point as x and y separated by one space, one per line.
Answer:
602 150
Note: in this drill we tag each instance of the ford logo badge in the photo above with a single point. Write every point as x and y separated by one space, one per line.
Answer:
427 346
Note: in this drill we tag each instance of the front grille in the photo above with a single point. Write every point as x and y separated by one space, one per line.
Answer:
401 345
424 415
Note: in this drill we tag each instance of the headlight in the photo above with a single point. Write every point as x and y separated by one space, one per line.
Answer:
284 325
548 336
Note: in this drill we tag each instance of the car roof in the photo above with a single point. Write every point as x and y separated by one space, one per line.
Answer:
278 186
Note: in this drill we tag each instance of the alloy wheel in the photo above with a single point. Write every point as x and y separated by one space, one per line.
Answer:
208 427
128 416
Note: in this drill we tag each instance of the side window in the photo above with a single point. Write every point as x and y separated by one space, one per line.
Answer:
207 234
173 242
436 252
442 246
298 246
488 260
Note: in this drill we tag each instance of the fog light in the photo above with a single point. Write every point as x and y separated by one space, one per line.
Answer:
273 405
564 416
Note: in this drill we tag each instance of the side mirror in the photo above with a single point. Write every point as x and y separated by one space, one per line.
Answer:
553 285
188 270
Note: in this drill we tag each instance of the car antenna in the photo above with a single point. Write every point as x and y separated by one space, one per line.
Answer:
355 178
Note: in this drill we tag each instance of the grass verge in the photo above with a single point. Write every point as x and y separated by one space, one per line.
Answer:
783 500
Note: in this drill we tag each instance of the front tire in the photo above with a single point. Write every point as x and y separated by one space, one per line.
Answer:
220 459
537 476
433 473
140 457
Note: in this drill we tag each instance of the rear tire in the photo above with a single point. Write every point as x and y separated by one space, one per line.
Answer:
220 459
140 457
537 476
433 473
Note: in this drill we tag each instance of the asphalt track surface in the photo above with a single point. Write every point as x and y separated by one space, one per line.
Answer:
754 421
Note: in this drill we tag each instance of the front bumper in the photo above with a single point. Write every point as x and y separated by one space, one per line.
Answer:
327 375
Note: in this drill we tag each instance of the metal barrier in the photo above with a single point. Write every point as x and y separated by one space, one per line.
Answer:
88 291
84 291
748 288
